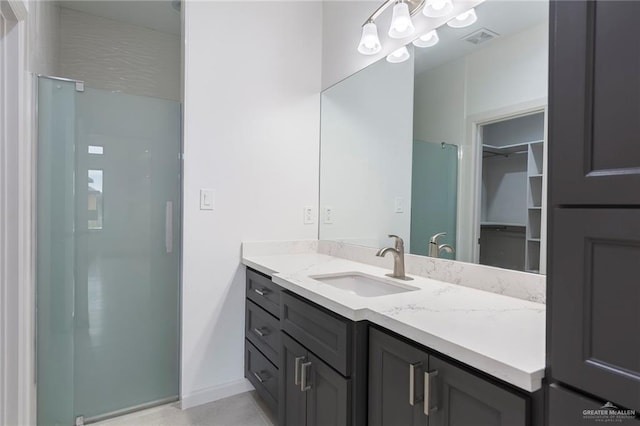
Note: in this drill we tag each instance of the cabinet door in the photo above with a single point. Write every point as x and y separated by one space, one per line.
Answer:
328 395
460 398
392 399
594 104
594 287
293 402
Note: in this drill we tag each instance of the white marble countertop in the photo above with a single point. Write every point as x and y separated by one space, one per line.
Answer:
500 335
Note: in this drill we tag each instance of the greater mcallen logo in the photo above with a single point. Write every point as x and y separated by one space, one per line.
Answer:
608 413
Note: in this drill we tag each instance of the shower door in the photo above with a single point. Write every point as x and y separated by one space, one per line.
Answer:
434 195
108 252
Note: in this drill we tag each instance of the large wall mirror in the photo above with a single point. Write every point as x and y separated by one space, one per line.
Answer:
449 145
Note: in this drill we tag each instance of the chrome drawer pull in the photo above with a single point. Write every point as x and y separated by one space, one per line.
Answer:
427 390
264 331
261 291
304 386
412 380
296 377
260 379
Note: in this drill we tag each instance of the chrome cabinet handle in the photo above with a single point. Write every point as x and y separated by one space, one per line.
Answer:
412 382
264 331
168 227
427 391
260 379
261 291
296 378
304 386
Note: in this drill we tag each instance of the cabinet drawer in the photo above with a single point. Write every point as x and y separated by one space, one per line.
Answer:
323 333
263 330
568 408
263 292
262 374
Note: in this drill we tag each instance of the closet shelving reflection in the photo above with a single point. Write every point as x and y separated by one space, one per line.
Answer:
512 203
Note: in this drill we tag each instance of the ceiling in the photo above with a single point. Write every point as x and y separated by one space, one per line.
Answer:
159 15
500 16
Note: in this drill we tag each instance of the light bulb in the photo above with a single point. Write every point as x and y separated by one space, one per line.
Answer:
401 24
437 8
370 42
399 55
464 19
427 40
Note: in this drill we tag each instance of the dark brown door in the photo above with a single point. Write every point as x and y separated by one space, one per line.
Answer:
594 122
595 309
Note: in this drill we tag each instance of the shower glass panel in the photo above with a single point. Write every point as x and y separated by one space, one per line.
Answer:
434 195
108 252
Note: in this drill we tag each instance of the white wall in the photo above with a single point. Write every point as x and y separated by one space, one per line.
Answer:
509 72
113 55
251 132
365 161
342 21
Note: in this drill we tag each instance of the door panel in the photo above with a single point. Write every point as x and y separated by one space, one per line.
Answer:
595 103
293 402
108 244
595 291
389 381
460 398
329 399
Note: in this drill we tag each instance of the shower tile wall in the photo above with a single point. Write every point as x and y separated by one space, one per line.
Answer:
116 56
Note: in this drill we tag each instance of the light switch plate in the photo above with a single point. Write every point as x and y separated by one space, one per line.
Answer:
399 205
207 199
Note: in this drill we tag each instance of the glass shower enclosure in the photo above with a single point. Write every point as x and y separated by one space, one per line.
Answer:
108 252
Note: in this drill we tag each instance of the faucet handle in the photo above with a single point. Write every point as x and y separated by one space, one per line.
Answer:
435 238
399 244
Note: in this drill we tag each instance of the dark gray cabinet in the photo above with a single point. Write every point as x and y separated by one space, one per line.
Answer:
594 103
313 393
408 386
595 310
321 372
593 302
262 337
396 381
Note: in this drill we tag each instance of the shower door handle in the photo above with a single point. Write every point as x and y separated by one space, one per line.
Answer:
168 227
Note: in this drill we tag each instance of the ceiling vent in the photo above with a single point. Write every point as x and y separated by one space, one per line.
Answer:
481 36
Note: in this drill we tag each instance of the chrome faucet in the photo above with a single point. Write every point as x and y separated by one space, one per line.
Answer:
398 258
435 249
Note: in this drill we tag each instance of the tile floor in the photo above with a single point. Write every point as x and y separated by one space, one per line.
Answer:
245 409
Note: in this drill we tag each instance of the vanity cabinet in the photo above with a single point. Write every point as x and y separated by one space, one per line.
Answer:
410 386
262 337
323 377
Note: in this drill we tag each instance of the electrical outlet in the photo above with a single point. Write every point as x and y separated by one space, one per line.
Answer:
399 205
308 215
328 215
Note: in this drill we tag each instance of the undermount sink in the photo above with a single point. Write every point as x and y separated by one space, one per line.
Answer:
362 284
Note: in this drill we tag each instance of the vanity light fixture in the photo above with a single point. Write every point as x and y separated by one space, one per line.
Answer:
427 40
401 24
370 42
464 19
437 8
399 55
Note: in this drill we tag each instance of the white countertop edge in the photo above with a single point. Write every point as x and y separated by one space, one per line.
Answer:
528 381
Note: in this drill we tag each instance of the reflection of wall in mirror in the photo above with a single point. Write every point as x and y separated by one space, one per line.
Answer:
507 72
365 157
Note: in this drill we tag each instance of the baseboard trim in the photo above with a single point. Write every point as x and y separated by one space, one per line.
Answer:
215 393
